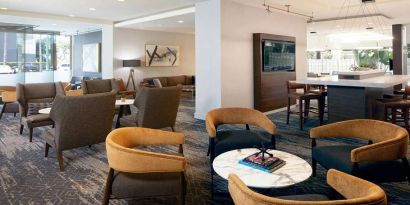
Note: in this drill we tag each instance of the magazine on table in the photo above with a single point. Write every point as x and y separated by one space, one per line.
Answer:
263 162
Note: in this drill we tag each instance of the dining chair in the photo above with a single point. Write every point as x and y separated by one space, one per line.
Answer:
135 173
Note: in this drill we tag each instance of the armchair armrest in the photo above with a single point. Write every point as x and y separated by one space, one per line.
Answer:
352 187
210 126
383 151
137 161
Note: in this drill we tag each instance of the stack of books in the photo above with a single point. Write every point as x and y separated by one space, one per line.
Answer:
264 163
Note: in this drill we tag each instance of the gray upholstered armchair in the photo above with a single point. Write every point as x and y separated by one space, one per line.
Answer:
98 86
31 98
157 108
79 121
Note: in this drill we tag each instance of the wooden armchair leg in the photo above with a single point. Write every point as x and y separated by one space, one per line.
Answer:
60 160
301 114
288 111
31 134
21 129
47 148
108 185
407 167
2 110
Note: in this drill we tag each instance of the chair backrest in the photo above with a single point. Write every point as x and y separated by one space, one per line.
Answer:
98 86
7 88
122 155
8 93
355 190
293 86
158 107
237 115
37 93
82 120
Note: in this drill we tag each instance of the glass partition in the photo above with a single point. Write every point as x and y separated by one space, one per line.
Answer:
34 57
331 61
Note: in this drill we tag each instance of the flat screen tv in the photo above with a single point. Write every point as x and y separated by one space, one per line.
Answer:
278 56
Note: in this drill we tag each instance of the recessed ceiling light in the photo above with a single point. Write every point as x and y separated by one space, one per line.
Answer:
120 0
3 8
71 15
92 9
180 21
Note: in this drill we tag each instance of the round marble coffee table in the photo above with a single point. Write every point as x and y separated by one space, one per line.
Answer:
295 170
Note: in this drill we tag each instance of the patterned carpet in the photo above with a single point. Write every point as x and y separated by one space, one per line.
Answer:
26 177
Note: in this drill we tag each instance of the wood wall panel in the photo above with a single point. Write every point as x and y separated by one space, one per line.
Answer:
270 90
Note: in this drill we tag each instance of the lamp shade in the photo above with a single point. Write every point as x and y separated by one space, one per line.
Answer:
131 63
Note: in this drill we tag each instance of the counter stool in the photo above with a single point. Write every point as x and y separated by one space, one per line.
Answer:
396 107
304 102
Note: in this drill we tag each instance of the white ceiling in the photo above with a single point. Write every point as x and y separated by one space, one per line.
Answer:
54 14
109 11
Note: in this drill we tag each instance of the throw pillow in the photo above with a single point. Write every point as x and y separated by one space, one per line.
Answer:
33 108
157 83
151 82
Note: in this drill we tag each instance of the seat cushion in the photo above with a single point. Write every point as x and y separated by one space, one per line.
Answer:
306 197
130 185
11 107
228 140
338 157
33 108
37 120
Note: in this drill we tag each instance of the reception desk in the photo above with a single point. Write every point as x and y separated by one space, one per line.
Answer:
355 99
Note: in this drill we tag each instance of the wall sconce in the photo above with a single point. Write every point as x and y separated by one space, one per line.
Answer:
131 63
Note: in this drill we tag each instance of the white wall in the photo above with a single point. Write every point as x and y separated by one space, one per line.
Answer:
130 44
208 60
226 71
239 22
107 51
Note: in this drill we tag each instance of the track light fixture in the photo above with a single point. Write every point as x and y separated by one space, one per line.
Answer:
269 8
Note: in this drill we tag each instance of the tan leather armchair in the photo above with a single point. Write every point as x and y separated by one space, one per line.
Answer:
136 173
387 144
226 140
9 99
355 191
